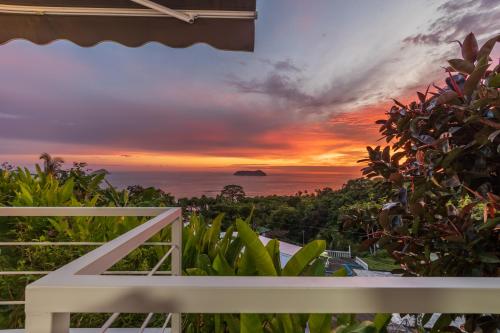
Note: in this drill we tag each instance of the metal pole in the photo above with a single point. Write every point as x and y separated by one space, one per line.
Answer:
177 266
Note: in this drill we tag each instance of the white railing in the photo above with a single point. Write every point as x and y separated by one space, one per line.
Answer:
339 254
80 287
361 263
100 260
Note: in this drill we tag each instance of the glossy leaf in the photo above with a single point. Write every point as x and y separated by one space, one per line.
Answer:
478 73
470 48
256 249
462 66
250 323
320 323
296 265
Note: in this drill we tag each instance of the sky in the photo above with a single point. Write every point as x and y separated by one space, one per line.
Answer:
306 99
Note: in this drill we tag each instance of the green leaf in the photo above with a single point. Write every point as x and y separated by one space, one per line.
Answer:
489 258
203 261
381 321
363 327
320 323
222 267
476 76
246 265
443 321
224 244
462 66
346 319
317 268
340 272
256 249
250 323
301 259
451 156
233 323
27 198
286 323
490 224
212 236
273 248
196 272
494 81
234 250
67 189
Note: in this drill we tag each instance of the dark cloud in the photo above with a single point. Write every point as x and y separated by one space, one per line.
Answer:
275 84
116 125
286 65
460 17
340 91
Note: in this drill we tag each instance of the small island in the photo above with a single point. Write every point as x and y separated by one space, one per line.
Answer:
250 173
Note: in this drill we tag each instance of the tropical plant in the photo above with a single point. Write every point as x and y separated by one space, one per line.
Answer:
443 167
239 252
51 165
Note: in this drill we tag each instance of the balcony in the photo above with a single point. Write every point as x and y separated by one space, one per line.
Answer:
87 285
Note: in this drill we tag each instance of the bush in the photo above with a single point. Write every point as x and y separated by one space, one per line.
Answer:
443 166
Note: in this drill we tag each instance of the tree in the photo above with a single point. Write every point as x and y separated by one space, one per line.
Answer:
51 165
233 193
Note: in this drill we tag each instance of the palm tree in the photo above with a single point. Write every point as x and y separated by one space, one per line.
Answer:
51 165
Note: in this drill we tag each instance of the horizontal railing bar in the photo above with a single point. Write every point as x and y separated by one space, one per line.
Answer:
2 244
25 273
211 294
136 273
7 273
12 302
81 211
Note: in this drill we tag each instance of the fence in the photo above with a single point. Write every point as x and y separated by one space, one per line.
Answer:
81 287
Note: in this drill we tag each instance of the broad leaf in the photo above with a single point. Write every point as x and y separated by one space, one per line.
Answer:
476 76
470 48
301 259
273 248
255 249
462 66
250 323
320 323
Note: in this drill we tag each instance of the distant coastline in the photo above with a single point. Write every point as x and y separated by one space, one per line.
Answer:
258 173
196 184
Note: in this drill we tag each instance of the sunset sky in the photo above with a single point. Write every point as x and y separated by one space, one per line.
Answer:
322 72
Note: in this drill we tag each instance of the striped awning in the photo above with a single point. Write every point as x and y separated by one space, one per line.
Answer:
223 24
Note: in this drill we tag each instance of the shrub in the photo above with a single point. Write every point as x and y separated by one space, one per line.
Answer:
443 166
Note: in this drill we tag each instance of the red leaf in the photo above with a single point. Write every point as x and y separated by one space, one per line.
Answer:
470 48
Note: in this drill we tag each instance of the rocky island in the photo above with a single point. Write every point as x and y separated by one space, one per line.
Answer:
250 173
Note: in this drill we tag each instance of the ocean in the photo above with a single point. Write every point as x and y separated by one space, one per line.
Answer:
191 184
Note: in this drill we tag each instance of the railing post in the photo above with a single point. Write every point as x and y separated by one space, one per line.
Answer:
47 322
177 265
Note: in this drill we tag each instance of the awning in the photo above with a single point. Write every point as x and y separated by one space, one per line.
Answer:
223 24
